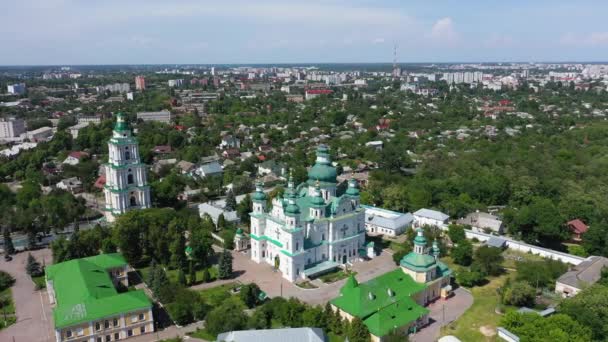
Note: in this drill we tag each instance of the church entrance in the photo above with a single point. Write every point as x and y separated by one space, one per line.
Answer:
277 262
344 259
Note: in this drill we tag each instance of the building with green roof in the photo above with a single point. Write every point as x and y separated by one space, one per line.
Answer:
313 228
87 304
396 300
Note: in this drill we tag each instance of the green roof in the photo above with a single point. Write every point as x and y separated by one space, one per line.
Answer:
84 290
417 261
398 314
323 171
357 300
121 123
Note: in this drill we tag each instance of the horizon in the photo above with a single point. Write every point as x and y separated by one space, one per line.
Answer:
154 32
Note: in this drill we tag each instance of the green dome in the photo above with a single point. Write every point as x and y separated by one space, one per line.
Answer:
417 261
121 123
352 188
323 171
239 231
259 196
317 201
292 209
420 239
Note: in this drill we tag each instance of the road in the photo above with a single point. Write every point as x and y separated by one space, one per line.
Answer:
34 316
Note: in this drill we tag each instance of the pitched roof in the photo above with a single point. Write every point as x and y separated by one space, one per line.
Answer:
577 226
586 273
387 218
85 291
78 154
383 302
432 214
274 335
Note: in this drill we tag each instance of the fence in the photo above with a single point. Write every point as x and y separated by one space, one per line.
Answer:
526 248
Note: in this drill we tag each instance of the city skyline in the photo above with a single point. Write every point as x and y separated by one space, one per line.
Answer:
64 32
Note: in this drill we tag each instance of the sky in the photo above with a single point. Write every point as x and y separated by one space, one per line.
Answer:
68 32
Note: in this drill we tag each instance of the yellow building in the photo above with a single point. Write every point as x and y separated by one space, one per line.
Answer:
88 306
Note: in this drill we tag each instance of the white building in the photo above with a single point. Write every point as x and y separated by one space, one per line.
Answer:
126 181
11 128
175 83
311 228
16 89
40 134
428 217
160 116
76 128
481 222
581 276
386 222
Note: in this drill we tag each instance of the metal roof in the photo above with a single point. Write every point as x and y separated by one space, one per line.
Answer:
432 214
274 335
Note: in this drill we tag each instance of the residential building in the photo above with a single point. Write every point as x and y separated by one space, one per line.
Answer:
87 305
377 144
76 128
40 134
429 217
140 83
72 184
386 222
581 276
11 128
314 93
312 228
577 229
175 83
91 118
209 169
230 141
214 211
396 300
163 116
75 157
16 89
126 180
482 222
274 335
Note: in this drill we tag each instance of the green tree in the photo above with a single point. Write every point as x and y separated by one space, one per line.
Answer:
244 208
249 295
225 265
206 277
191 273
32 266
9 248
519 293
228 316
462 254
181 277
230 201
221 222
533 327
358 331
589 308
488 260
456 233
178 251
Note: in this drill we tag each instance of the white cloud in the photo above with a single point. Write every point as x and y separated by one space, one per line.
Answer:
443 31
588 39
378 41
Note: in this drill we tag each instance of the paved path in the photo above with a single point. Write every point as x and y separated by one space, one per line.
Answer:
34 316
274 285
444 313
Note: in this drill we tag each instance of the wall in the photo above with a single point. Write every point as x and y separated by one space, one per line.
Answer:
506 335
525 248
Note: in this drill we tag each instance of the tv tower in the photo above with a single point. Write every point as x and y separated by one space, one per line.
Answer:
396 69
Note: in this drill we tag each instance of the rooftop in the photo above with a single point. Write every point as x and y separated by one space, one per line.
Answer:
586 273
274 335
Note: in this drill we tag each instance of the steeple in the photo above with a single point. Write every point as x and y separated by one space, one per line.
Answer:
121 124
420 242
435 250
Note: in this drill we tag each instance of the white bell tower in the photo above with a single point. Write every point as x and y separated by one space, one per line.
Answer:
126 181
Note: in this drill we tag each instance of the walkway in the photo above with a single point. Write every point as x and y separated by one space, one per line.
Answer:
34 315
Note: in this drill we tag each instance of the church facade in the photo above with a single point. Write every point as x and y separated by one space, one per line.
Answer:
126 185
310 229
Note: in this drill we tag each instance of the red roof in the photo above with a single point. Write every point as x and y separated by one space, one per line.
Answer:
100 182
319 91
577 226
78 154
504 102
162 149
261 157
180 127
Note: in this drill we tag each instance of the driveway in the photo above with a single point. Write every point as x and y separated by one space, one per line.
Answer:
34 315
444 313
273 284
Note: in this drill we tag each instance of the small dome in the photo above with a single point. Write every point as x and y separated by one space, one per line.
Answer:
316 199
239 231
259 194
121 123
352 190
292 209
323 170
420 239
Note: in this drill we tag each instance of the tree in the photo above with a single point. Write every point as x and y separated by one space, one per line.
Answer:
261 319
358 331
178 251
589 308
542 273
244 208
250 295
228 316
6 281
313 317
9 248
533 327
32 266
519 293
221 222
463 253
469 278
230 201
225 265
191 273
456 233
201 243
488 260
206 277
181 277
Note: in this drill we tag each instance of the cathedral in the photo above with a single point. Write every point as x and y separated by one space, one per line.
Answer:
312 228
126 182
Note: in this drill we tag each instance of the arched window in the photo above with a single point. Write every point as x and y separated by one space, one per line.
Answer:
129 179
127 153
133 201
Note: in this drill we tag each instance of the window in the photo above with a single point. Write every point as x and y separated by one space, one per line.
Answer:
141 316
133 319
297 246
106 324
99 339
116 336
142 329
97 326
129 333
68 333
115 322
80 332
129 179
108 338
323 237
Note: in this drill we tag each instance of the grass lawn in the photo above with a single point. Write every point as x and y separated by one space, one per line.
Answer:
335 276
216 295
9 310
203 334
39 281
